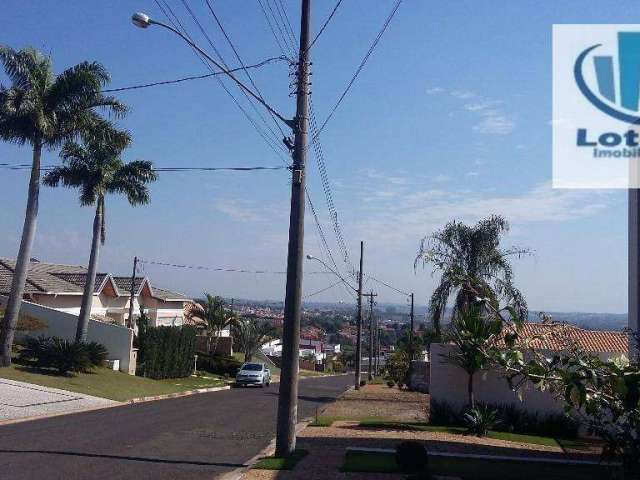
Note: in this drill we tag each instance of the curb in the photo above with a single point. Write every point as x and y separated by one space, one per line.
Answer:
186 393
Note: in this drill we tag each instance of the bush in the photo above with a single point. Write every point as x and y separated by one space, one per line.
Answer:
391 383
480 419
363 383
445 414
219 365
34 349
97 353
169 352
66 356
411 457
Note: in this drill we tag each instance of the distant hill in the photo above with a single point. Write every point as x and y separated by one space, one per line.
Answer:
587 320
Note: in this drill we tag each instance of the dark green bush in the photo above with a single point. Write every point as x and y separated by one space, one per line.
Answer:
34 349
66 356
97 353
169 352
411 456
391 383
219 365
445 414
363 383
480 419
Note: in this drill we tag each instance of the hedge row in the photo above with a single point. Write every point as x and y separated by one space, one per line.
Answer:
219 365
169 352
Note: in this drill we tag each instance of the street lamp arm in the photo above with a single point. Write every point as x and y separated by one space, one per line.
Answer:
310 257
289 123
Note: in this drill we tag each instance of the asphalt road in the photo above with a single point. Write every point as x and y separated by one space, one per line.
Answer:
196 437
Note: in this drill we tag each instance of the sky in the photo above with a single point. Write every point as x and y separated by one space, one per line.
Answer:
449 119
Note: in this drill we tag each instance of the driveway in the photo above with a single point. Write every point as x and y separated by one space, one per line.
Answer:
196 437
22 400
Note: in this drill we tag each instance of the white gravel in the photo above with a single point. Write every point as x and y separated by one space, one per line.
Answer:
22 400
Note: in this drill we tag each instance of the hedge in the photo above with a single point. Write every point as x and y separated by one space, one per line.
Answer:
219 365
169 352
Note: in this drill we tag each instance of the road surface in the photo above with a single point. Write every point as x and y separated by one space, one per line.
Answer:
196 437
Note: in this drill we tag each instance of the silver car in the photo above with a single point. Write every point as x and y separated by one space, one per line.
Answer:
253 374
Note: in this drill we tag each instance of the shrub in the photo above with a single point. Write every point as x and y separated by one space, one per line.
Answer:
391 383
444 414
169 352
34 349
66 356
219 365
363 383
97 353
411 456
480 419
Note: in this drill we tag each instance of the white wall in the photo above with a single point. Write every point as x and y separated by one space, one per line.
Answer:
117 339
448 383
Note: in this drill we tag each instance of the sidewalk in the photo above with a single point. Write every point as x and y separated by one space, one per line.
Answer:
24 400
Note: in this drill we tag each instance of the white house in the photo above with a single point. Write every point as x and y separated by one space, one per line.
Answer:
60 287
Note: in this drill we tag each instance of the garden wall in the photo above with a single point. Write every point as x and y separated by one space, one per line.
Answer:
118 340
448 383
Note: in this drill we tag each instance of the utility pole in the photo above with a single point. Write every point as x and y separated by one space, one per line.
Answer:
412 326
370 295
634 268
132 292
359 320
288 392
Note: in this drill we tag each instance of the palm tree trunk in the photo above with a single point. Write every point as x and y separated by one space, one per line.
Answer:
22 262
89 285
472 400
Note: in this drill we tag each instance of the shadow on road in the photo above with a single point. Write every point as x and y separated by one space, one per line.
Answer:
124 457
309 398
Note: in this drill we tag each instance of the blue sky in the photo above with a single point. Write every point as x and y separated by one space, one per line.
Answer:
449 119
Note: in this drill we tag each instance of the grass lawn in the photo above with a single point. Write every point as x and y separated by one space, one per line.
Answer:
572 444
279 463
106 383
476 468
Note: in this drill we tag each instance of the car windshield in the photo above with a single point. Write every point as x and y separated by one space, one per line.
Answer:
252 367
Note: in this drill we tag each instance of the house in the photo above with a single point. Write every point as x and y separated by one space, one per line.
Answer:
60 287
448 383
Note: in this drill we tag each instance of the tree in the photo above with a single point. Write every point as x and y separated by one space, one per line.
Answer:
44 111
460 251
217 318
96 168
250 335
473 335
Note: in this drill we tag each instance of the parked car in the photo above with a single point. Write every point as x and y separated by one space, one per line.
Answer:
253 374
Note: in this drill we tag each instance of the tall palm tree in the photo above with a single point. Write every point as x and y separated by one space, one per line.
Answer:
96 168
466 256
44 111
250 335
217 318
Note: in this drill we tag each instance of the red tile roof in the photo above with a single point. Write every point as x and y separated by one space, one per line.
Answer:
556 336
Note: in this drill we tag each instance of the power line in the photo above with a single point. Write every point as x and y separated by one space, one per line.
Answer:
284 34
25 166
387 285
361 66
324 25
219 269
195 77
318 292
266 16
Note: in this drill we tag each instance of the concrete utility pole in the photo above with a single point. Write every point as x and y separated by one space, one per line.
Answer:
288 392
370 295
634 267
359 326
412 320
132 292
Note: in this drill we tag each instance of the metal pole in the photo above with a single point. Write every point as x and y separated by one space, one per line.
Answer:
412 326
132 292
288 392
634 267
371 336
359 320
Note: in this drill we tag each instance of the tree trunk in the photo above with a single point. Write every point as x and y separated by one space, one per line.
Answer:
89 285
22 262
472 400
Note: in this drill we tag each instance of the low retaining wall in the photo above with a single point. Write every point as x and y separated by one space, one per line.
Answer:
118 340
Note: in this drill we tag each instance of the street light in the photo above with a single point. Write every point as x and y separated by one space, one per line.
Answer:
140 20
311 257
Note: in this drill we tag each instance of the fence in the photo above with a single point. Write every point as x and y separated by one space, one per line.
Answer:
118 340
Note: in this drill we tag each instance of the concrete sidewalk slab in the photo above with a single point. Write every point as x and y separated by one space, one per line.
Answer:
26 400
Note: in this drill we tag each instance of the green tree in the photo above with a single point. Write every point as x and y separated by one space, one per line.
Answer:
44 110
473 336
217 317
250 335
96 169
459 251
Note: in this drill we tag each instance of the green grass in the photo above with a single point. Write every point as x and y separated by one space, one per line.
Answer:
323 421
478 469
280 463
106 383
573 444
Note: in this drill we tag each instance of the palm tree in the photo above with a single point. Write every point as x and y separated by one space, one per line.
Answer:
96 168
473 335
250 335
44 111
217 318
470 260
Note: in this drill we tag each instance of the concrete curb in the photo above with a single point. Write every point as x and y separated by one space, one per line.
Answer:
186 393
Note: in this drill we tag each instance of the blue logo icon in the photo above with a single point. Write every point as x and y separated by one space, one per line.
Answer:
616 99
